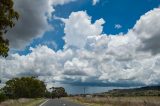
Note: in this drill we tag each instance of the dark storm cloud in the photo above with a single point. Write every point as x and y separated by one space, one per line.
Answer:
148 30
31 24
152 44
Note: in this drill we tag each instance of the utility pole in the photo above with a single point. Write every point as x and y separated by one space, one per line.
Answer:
84 91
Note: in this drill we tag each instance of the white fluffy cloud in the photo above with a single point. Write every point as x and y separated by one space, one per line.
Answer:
92 57
33 20
148 30
78 27
118 26
95 2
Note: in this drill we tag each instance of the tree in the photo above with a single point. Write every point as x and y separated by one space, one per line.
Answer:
58 92
7 20
25 87
2 96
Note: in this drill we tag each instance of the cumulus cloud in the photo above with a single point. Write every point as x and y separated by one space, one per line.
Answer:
118 26
33 20
148 30
75 29
95 2
93 58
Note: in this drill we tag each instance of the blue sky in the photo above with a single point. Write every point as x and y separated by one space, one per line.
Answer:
124 13
73 43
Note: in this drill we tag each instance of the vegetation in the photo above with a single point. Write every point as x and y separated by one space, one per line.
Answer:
23 102
25 87
143 91
118 101
29 87
58 92
7 19
2 97
144 96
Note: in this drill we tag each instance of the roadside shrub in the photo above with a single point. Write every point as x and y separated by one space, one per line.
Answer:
58 92
25 87
2 97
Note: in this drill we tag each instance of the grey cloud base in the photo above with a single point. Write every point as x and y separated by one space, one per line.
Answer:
33 21
148 30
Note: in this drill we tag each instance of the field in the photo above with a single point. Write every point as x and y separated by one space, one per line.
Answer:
118 101
23 102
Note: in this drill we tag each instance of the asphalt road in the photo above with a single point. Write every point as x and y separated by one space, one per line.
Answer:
59 102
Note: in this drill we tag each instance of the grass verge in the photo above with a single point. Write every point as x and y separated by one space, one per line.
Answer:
23 102
117 101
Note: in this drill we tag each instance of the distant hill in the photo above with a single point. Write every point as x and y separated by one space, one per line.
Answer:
142 91
149 88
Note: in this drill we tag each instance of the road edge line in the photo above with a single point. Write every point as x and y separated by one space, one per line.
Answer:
44 102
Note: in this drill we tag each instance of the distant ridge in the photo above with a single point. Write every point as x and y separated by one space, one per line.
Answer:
149 88
142 91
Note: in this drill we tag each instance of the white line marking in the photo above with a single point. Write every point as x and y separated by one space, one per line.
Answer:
44 103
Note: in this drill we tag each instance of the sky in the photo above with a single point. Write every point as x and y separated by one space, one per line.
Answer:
97 44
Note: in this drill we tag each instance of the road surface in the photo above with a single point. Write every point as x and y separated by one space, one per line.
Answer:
59 102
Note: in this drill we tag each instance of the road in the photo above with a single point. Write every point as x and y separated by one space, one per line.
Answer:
59 102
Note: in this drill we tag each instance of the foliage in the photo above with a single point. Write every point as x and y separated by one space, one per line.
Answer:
58 92
48 94
25 87
7 19
23 102
4 47
118 101
2 96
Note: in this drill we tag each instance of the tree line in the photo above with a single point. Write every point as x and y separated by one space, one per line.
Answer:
29 87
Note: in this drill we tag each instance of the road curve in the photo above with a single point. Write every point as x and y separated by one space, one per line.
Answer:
59 102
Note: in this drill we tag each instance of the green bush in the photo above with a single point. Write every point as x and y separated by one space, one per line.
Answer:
58 92
25 87
2 97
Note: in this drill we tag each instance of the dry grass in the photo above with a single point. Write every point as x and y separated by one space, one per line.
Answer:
23 102
118 101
